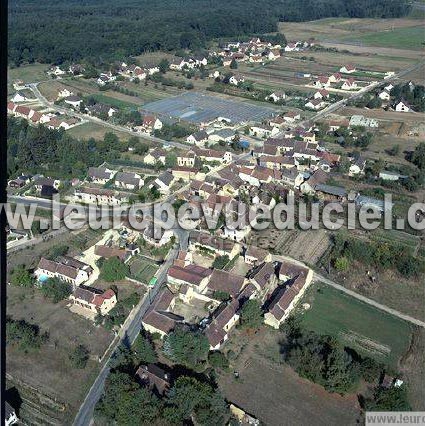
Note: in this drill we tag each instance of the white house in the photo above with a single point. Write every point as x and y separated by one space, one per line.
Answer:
348 69
315 104
263 131
19 97
384 95
349 84
65 268
74 101
10 417
64 93
236 79
357 167
321 94
276 96
292 116
129 181
402 106
198 138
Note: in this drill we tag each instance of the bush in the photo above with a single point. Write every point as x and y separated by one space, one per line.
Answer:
217 359
24 335
79 357
21 277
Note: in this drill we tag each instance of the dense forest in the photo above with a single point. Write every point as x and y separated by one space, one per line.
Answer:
53 31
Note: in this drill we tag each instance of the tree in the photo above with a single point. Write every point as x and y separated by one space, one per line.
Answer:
79 357
418 156
56 289
163 65
170 160
233 64
392 399
191 397
20 276
221 295
124 402
220 262
113 270
217 359
186 347
24 335
251 315
143 350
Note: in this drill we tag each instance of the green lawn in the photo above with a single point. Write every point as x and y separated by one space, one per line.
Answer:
366 329
401 38
115 102
142 270
29 73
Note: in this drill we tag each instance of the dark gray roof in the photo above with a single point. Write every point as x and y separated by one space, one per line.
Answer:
166 178
333 190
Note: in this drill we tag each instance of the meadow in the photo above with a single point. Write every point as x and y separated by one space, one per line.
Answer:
355 324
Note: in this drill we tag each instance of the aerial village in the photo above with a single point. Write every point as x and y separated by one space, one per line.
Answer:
220 131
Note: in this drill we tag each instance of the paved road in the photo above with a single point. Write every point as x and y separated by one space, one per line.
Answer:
128 334
321 278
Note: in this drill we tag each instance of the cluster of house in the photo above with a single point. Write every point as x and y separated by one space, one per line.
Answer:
189 62
119 181
75 273
131 72
274 125
73 69
256 50
399 105
326 82
44 186
52 121
203 137
277 286
78 274
187 168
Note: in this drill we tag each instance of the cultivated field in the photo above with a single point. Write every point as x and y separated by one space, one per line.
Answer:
355 324
307 246
142 269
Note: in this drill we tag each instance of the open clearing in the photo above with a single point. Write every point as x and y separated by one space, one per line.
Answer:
263 375
97 131
44 369
28 73
400 38
356 324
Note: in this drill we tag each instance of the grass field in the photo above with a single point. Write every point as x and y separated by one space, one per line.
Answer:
355 324
44 369
94 130
142 269
28 73
118 103
401 38
263 374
